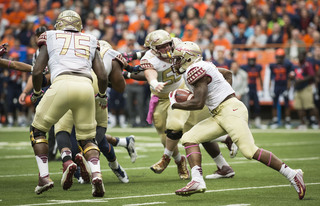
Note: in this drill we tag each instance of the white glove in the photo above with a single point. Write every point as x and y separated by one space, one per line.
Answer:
158 86
102 99
172 98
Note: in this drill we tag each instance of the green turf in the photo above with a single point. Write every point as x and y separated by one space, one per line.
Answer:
253 184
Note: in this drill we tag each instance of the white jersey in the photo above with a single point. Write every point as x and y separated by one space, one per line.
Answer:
218 88
165 73
107 56
69 52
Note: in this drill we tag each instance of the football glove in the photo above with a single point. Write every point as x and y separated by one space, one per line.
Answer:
102 99
172 98
3 49
36 95
126 75
135 69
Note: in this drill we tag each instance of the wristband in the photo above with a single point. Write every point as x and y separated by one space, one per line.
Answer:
129 75
37 92
154 83
138 55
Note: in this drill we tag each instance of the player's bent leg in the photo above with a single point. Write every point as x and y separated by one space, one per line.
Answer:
197 184
294 176
40 148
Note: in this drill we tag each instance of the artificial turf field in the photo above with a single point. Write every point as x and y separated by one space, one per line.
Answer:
253 184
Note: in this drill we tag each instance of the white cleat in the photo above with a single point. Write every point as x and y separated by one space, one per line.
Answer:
192 188
298 183
121 174
97 185
131 148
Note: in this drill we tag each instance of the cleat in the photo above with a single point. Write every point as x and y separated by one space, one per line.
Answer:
161 165
85 170
274 125
298 183
45 183
97 185
121 174
232 147
192 188
69 168
131 148
183 168
224 172
288 125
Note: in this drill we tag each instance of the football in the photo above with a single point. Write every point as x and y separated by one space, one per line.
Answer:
183 95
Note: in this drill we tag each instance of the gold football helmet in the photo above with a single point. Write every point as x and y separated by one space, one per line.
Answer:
185 54
156 39
69 20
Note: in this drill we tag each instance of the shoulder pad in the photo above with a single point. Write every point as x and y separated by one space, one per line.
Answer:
145 64
194 74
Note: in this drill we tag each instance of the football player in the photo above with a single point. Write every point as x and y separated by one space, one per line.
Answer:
212 88
170 124
70 55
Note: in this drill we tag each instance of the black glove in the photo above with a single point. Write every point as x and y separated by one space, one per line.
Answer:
34 97
3 49
135 69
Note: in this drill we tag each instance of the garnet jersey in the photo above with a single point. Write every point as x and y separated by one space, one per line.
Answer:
163 68
69 52
218 88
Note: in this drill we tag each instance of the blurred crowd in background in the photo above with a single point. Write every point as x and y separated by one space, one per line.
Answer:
226 30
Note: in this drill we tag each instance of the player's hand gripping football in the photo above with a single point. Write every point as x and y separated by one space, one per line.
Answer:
3 49
172 98
102 99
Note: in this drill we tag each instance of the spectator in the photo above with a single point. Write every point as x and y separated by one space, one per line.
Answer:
276 37
240 40
258 40
221 60
295 46
240 83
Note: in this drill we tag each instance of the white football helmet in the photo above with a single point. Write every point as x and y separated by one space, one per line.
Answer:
158 38
184 54
68 20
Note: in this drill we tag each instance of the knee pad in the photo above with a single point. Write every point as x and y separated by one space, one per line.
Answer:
37 136
173 135
91 145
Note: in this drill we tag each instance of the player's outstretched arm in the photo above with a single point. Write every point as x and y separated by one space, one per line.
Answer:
15 65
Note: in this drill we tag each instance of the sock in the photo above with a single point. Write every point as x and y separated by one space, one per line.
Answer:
66 155
122 142
221 139
114 165
287 172
177 158
288 119
94 164
107 150
220 161
196 173
168 152
118 140
42 162
275 119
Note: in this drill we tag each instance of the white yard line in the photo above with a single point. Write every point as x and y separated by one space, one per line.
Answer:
147 203
57 202
237 161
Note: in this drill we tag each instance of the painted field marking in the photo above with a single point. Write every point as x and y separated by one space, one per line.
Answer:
147 203
238 161
57 202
